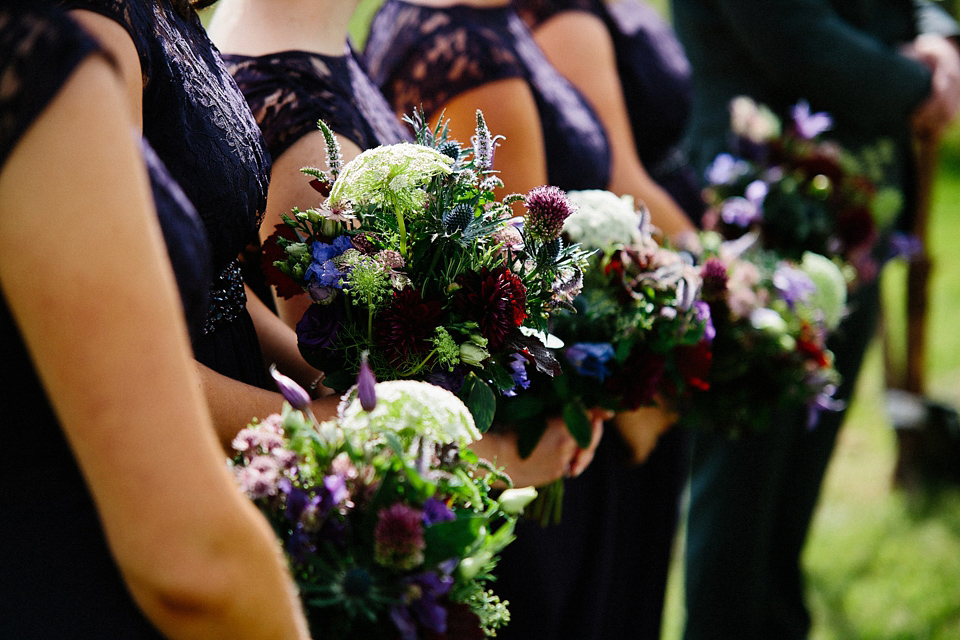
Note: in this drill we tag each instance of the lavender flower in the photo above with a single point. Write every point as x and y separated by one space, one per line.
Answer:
484 145
291 391
398 537
809 125
548 208
366 385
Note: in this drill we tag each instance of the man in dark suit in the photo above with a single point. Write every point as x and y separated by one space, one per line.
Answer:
883 69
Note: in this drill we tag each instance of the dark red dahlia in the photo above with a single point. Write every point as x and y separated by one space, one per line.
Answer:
271 252
406 325
496 300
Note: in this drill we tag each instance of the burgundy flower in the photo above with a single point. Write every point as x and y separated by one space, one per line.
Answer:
398 537
855 227
639 378
496 300
714 277
406 325
548 207
271 252
693 364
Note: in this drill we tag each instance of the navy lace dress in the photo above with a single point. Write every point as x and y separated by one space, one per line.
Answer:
423 56
558 579
289 91
655 77
57 577
200 126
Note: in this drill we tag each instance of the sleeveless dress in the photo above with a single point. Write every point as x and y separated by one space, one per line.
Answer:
200 126
558 579
289 91
657 87
57 577
655 78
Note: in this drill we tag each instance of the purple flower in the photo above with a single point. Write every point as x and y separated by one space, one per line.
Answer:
904 245
366 385
714 277
518 371
725 169
548 207
435 511
421 603
484 145
291 391
324 274
318 327
809 125
398 537
451 380
744 211
702 311
334 491
590 358
793 284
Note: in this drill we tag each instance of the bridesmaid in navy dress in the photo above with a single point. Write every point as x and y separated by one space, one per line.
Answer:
196 119
97 374
651 72
294 68
560 580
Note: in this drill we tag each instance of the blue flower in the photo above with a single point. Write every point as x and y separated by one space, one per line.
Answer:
341 244
590 358
322 252
518 371
435 511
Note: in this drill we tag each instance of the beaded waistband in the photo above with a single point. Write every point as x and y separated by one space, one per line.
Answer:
227 298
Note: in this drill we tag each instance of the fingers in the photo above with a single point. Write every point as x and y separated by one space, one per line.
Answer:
942 57
584 457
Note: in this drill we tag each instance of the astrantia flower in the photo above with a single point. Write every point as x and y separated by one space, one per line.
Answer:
407 324
495 299
398 537
548 207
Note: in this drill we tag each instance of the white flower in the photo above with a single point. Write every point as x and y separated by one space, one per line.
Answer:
412 408
603 220
752 121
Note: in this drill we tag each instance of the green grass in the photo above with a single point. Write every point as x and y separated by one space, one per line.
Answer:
882 565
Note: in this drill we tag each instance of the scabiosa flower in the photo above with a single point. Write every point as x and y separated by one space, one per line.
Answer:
590 358
548 208
406 325
398 537
495 299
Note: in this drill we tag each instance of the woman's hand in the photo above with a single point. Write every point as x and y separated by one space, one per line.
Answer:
642 428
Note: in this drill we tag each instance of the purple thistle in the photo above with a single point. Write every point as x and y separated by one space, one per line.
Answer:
366 385
292 392
809 125
398 537
548 208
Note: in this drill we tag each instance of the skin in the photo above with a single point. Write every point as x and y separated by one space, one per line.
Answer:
256 27
197 557
232 404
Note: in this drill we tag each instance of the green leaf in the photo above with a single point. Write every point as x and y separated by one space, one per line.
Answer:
451 539
480 400
575 415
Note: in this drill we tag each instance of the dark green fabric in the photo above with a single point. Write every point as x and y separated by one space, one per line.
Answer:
751 500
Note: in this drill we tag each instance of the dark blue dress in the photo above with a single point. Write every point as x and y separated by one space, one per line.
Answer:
558 579
57 577
200 126
289 91
422 56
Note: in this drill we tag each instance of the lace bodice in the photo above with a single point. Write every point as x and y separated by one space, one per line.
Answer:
289 91
196 119
653 68
426 56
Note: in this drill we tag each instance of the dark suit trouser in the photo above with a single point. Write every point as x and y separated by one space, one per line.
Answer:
751 502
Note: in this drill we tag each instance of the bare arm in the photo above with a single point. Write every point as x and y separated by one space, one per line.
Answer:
197 557
578 44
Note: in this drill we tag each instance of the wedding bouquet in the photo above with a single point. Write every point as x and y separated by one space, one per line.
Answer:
800 192
387 520
413 260
638 331
771 318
